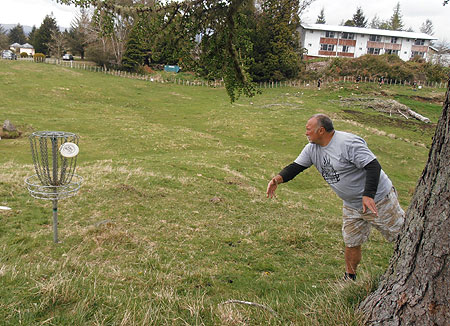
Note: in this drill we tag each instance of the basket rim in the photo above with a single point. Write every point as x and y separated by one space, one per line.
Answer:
78 181
47 133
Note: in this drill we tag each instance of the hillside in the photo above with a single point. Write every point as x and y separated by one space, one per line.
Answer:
172 221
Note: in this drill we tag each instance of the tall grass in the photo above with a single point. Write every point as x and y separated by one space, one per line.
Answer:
172 220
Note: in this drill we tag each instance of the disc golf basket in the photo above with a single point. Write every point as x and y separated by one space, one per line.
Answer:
55 158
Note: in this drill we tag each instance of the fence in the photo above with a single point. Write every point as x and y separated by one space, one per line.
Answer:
220 83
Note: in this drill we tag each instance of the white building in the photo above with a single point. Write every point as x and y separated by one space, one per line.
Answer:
21 48
322 40
27 48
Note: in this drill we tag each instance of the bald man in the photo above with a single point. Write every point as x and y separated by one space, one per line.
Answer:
355 175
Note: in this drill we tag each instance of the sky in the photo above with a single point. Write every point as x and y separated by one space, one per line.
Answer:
415 12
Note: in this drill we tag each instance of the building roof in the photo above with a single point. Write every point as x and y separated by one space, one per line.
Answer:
369 31
15 45
27 46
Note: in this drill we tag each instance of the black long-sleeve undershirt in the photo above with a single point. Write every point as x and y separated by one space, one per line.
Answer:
291 171
373 170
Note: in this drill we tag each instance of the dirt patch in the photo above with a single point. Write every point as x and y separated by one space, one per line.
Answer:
317 66
434 99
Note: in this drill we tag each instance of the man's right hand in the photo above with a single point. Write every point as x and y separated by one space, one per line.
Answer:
271 187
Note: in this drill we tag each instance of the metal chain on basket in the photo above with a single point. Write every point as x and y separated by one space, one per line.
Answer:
44 163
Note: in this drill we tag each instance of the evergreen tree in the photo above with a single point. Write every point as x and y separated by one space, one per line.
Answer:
396 23
277 53
321 17
78 35
135 52
32 35
4 40
17 35
169 44
359 19
427 27
43 35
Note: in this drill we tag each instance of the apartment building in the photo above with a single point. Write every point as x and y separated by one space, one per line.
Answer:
322 40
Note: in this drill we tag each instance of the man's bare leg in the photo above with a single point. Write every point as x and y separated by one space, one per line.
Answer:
352 259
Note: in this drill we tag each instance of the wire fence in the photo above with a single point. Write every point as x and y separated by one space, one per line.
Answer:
220 83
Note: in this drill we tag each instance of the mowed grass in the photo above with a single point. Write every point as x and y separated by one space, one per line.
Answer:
172 221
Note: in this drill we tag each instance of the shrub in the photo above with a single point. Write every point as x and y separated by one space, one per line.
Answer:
24 55
388 65
39 57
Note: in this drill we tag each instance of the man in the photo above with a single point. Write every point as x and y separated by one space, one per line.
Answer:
353 172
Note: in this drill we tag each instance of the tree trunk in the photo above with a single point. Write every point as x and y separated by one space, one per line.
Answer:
415 289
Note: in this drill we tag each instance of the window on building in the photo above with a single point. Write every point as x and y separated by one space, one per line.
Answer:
417 53
330 34
375 38
419 42
327 47
345 48
373 50
394 39
392 52
348 36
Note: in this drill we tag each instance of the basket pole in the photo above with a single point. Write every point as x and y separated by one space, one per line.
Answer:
55 221
55 182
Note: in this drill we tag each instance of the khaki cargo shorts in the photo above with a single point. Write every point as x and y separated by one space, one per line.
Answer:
356 224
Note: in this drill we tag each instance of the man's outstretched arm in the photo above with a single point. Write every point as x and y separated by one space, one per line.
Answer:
287 174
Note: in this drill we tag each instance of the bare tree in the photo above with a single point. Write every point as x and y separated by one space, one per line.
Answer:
442 55
57 43
415 289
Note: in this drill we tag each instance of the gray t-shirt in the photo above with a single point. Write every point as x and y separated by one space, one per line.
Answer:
341 164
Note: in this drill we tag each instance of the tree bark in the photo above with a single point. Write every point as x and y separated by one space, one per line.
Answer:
415 289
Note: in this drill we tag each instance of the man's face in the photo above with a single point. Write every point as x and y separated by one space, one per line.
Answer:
312 131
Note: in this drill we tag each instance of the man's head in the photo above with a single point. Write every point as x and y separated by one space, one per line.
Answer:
319 129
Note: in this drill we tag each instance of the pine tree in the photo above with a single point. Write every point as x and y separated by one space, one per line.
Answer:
4 41
321 17
43 35
359 19
396 23
32 35
78 35
135 53
17 35
275 46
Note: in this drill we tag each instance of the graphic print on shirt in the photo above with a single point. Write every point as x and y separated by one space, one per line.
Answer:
328 172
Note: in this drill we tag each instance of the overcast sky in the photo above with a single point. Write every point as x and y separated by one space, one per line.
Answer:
415 12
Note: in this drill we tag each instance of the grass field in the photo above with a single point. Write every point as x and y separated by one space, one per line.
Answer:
172 221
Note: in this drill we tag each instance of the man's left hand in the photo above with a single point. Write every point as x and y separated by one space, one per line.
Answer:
369 203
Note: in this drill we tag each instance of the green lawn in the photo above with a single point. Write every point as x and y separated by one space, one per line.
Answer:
172 219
